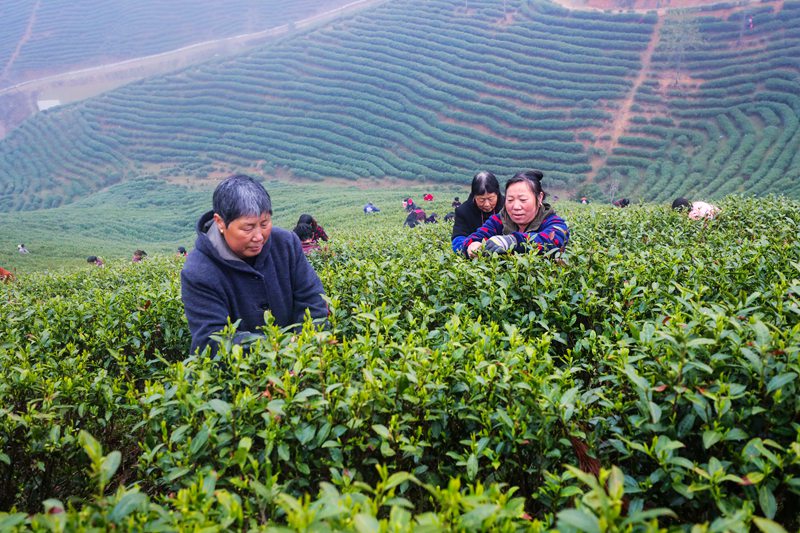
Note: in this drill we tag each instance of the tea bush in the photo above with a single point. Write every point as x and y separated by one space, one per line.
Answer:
644 380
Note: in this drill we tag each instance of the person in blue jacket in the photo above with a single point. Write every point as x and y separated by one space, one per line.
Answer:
242 266
525 223
371 208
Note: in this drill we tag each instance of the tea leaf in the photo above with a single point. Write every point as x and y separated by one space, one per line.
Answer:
382 431
365 523
8 521
768 526
578 519
472 467
109 466
221 407
130 502
766 499
711 437
780 381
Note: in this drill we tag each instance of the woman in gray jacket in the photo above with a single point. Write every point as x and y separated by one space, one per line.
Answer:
242 267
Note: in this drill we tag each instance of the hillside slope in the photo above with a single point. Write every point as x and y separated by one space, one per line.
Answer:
437 90
41 37
58 51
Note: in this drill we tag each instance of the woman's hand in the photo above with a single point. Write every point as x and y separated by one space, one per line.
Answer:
501 244
474 248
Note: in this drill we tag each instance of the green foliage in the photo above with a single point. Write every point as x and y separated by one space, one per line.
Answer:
158 216
646 379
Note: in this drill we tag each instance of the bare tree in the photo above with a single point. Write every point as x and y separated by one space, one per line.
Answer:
613 186
680 33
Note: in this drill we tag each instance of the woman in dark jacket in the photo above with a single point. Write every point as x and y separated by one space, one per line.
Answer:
484 201
242 266
319 231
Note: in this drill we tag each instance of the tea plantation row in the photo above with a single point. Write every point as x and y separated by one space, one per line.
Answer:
645 381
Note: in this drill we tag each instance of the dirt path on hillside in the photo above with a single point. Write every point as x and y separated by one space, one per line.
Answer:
608 139
238 42
72 86
22 41
622 117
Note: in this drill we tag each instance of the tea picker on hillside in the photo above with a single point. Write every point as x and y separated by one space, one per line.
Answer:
371 208
94 260
242 266
484 200
525 223
21 249
305 233
696 210
6 275
319 232
138 256
415 216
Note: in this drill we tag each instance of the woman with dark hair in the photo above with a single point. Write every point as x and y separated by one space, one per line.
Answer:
305 233
526 222
484 201
696 210
241 267
319 232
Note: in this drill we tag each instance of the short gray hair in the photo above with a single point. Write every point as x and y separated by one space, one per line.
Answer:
240 195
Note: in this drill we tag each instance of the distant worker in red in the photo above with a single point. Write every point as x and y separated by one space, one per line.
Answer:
428 197
6 276
622 202
415 216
